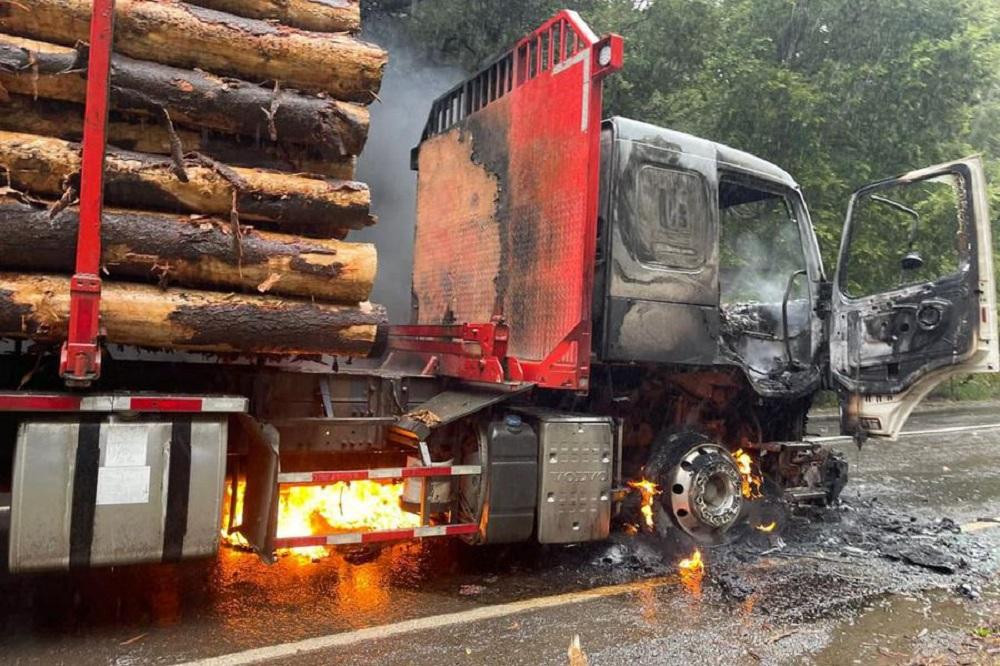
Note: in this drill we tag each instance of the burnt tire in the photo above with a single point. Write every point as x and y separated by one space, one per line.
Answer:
700 482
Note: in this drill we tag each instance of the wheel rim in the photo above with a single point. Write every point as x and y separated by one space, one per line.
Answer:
705 497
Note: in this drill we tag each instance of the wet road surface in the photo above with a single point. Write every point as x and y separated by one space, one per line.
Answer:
820 590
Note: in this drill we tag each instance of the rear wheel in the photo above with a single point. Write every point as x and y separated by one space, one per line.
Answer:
471 435
700 482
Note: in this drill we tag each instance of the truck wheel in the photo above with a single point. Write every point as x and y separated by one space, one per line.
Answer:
472 450
701 484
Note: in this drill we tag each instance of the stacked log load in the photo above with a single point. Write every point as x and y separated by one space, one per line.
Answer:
229 188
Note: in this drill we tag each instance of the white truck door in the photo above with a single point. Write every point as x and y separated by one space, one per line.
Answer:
914 298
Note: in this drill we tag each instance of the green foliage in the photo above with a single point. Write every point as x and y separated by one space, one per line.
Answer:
969 387
986 632
924 217
838 92
466 33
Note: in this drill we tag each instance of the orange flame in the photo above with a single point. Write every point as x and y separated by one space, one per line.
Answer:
355 506
234 539
751 480
648 490
693 564
342 507
692 570
767 528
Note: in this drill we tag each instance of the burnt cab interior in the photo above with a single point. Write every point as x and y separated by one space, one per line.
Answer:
706 257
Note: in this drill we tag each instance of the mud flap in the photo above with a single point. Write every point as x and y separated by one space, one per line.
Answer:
260 503
450 406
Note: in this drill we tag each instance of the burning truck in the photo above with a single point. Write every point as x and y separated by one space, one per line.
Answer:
613 324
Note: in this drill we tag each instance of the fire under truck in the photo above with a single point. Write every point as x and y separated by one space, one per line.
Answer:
594 301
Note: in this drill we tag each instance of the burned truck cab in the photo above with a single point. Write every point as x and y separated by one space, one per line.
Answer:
654 305
706 256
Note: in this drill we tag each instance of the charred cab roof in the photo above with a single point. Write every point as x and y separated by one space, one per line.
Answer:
679 142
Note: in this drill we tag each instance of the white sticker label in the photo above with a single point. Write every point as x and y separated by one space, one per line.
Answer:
123 485
126 446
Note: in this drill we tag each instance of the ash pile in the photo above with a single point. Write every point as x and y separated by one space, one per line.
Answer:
232 141
824 561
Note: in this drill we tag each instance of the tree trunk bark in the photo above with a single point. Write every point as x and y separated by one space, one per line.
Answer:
199 253
183 35
64 120
43 166
192 98
317 15
36 307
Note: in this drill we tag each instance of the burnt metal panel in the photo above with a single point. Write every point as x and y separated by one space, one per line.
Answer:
687 273
507 201
654 332
662 256
450 406
575 473
260 504
503 232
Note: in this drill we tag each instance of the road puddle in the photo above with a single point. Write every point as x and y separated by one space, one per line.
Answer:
897 628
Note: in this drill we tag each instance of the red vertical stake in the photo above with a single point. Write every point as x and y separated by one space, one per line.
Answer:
80 362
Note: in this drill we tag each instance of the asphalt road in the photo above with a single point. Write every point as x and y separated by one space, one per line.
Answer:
820 590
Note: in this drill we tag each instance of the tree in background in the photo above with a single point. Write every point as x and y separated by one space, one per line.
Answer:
466 33
838 92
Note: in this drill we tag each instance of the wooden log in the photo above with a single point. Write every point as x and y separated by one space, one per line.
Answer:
18 113
175 33
317 15
36 307
192 98
191 252
44 167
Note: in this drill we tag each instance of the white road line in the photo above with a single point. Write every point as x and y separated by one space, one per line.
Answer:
311 645
981 525
912 433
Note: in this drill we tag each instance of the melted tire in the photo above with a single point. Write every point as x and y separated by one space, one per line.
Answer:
700 483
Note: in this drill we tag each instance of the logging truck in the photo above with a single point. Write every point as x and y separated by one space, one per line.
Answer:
596 303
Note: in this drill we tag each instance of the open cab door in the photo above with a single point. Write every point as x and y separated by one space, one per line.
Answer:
914 299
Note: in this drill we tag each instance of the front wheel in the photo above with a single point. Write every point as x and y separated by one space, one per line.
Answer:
701 484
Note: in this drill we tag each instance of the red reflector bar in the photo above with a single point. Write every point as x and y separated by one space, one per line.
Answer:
321 478
375 537
166 404
25 401
38 403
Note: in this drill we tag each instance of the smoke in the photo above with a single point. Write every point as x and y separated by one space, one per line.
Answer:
762 269
753 280
409 87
